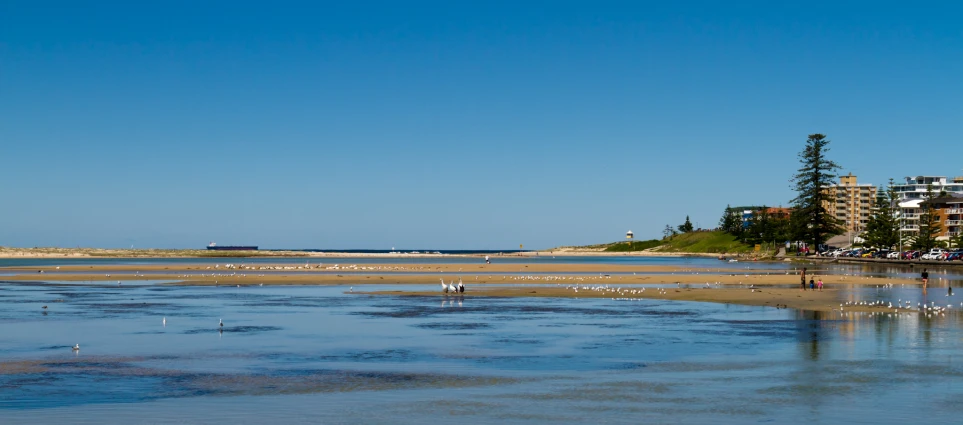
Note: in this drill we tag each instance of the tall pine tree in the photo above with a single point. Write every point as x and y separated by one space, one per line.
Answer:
812 223
930 226
882 230
729 223
687 226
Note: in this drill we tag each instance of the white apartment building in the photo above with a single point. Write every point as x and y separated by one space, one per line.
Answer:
913 192
915 187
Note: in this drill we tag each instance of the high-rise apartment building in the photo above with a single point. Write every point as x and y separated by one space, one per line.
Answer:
916 187
913 191
850 202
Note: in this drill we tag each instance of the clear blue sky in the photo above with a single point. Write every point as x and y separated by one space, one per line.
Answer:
451 124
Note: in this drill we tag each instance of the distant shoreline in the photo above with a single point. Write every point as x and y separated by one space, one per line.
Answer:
203 253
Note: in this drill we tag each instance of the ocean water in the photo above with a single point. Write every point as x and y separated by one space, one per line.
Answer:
324 355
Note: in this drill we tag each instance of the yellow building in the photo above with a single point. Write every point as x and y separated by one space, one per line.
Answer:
851 203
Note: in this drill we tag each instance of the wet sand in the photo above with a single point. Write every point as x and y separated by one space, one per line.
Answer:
236 266
541 274
826 300
762 287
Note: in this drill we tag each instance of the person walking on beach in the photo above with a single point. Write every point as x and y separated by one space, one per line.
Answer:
802 278
819 284
926 277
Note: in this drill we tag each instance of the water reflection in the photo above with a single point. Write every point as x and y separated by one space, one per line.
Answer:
320 355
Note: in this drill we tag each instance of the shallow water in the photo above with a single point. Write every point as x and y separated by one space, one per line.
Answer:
317 354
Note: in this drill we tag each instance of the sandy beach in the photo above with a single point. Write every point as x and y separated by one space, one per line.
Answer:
764 287
826 300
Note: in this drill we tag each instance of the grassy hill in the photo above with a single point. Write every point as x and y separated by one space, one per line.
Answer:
711 242
630 246
714 242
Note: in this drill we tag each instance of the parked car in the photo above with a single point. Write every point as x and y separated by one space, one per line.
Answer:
934 254
893 255
911 255
883 253
955 255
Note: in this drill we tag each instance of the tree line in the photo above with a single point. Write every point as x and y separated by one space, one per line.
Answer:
810 221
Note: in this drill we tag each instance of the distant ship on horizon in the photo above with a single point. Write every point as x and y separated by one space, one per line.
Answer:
215 247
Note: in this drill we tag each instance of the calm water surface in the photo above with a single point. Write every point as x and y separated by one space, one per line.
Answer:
320 355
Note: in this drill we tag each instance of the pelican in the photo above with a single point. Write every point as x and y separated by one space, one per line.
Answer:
452 287
76 347
444 287
461 286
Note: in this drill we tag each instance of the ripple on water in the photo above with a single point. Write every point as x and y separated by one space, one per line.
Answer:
81 381
232 329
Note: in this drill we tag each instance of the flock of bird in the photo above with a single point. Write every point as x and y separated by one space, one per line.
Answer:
930 310
451 287
608 290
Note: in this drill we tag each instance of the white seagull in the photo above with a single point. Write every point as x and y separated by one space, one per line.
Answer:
77 347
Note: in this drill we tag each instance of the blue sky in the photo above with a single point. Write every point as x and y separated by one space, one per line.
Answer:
451 124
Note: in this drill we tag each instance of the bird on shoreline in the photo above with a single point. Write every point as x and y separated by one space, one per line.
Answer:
164 321
76 347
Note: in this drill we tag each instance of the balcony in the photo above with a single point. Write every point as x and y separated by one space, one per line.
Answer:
910 227
953 222
954 211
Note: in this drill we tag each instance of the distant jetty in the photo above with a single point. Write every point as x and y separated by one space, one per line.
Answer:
215 247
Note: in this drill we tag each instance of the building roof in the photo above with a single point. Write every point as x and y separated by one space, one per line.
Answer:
911 204
950 198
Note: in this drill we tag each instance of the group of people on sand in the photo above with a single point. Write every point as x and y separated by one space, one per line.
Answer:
814 284
818 284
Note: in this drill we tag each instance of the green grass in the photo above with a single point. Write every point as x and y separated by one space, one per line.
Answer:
715 242
630 246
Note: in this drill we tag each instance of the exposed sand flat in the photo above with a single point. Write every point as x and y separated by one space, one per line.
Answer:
762 287
826 300
229 277
480 268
